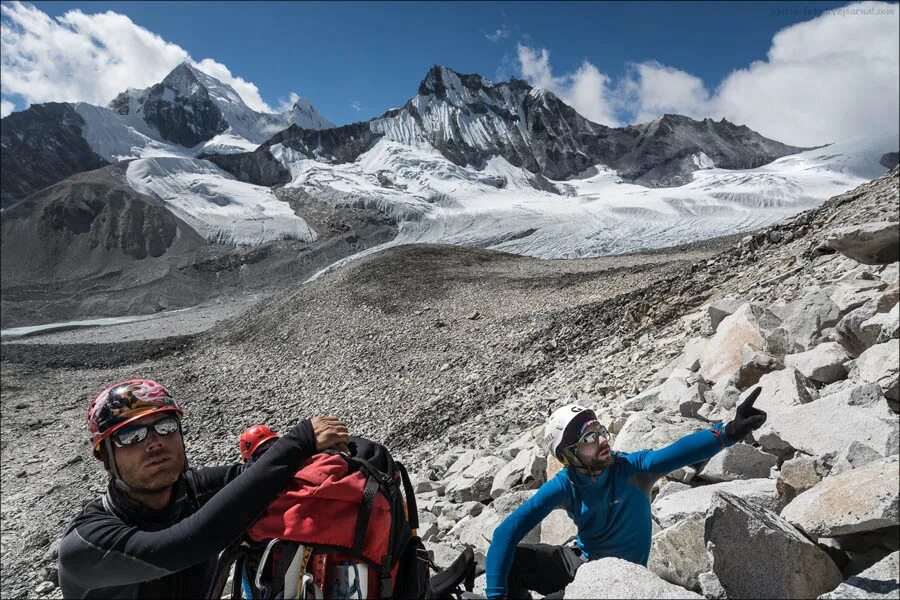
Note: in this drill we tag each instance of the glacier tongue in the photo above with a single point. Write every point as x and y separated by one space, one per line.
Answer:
215 204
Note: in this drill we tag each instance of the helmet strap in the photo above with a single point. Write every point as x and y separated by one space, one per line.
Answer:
110 462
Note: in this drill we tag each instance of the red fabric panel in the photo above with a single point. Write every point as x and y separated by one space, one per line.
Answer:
320 506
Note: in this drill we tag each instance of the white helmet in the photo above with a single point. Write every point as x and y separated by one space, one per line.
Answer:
558 423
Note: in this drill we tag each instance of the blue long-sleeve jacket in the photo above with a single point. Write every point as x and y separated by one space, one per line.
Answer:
612 512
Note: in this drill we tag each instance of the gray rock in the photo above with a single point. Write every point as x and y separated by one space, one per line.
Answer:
888 298
803 324
882 327
455 512
526 469
782 390
876 243
754 364
880 581
798 475
474 482
681 505
670 487
757 554
849 333
722 356
462 462
853 456
880 364
852 293
645 430
710 586
828 425
478 531
678 553
444 555
824 363
740 461
859 500
558 528
722 308
617 578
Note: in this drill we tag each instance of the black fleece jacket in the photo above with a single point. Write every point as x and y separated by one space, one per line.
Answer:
117 549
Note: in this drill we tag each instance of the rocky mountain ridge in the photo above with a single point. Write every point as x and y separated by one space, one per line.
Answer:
468 120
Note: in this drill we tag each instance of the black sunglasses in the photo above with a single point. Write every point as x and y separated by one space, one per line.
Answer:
138 433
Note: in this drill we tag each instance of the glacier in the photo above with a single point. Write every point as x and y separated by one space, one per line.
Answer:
214 203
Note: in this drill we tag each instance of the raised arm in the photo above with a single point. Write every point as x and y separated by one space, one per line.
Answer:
701 445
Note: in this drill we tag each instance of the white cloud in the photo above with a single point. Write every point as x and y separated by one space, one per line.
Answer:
355 105
6 107
91 58
833 77
651 89
501 33
586 90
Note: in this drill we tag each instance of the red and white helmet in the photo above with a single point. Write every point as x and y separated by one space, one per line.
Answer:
124 402
564 427
254 437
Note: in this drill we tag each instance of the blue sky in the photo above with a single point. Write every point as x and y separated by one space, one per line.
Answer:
354 60
375 53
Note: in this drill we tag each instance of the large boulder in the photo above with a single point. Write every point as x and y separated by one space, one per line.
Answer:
617 578
880 364
849 330
558 528
828 425
803 323
757 554
824 363
722 355
678 553
859 500
696 501
876 243
683 391
782 390
855 290
880 581
722 308
645 430
798 475
526 469
882 327
740 461
754 365
475 481
478 531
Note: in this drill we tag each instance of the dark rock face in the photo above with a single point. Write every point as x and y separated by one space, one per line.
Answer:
258 167
889 160
40 146
469 120
179 108
338 145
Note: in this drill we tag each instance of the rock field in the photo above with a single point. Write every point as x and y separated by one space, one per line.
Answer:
454 356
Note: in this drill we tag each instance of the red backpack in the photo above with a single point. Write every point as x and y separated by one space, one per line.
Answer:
341 529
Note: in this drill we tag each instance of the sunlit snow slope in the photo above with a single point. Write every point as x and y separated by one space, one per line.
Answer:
215 204
499 206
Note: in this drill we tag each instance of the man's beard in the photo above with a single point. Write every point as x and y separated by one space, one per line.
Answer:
159 481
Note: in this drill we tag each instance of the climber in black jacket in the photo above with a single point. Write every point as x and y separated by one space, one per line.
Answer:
157 531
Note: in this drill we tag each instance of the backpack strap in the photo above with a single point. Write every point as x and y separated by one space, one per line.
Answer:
365 511
412 510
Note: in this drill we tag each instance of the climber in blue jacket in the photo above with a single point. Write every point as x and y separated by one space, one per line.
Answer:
606 494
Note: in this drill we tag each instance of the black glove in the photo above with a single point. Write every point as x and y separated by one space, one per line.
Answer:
746 419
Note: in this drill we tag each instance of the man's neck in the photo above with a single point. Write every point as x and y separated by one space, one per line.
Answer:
156 500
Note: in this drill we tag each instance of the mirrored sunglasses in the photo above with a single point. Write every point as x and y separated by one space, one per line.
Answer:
138 433
593 436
